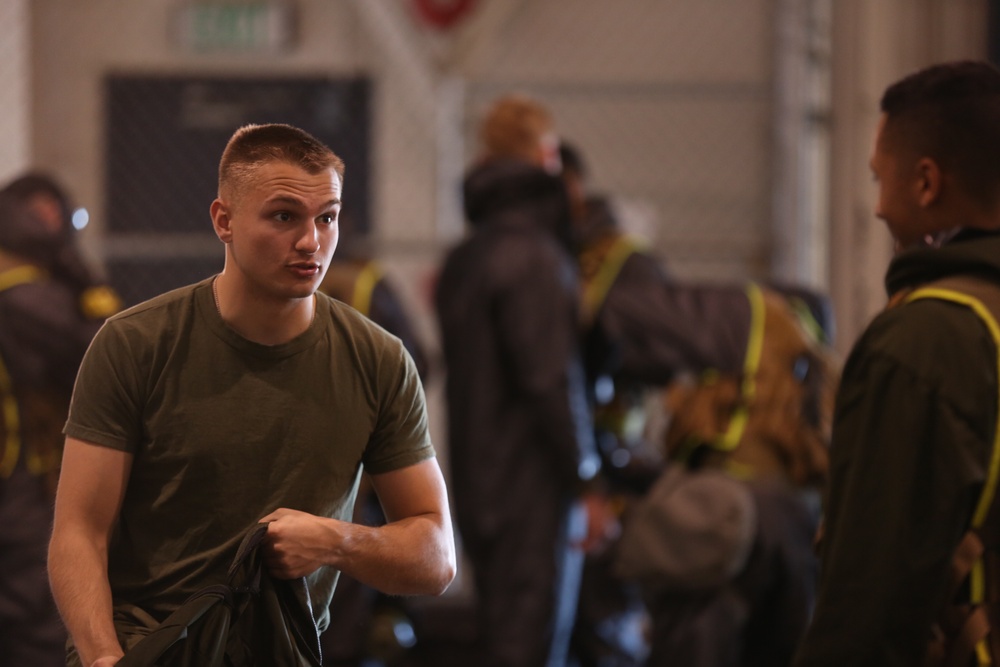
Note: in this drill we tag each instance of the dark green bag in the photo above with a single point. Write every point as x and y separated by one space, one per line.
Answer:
252 620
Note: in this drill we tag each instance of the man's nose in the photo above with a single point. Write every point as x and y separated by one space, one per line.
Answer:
309 239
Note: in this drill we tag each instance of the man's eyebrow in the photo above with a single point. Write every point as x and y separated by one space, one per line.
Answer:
296 201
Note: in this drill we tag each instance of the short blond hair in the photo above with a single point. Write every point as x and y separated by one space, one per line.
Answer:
514 127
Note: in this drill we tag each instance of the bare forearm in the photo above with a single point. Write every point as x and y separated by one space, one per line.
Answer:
414 556
78 575
411 556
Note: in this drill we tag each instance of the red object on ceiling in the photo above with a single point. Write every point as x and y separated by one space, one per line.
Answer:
443 14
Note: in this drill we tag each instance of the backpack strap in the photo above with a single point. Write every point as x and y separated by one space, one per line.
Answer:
353 282
966 630
600 265
364 287
19 275
730 440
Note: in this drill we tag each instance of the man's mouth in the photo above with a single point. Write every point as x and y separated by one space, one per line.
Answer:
305 269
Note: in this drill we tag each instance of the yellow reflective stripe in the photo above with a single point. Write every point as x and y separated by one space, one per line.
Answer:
8 403
807 319
977 577
983 654
11 422
989 489
729 440
597 289
99 302
19 276
364 286
977 582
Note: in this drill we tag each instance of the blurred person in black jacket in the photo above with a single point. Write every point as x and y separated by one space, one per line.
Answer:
45 328
909 547
641 329
521 445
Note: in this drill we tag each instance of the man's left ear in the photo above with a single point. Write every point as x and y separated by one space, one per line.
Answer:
929 181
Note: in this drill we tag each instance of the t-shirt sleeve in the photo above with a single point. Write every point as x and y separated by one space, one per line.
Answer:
401 436
105 409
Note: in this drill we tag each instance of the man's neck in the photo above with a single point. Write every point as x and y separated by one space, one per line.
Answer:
263 321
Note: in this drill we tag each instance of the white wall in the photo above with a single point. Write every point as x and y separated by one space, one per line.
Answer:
15 83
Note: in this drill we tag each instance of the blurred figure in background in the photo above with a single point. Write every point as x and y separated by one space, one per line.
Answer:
687 378
722 543
356 278
45 327
641 330
52 207
521 444
367 627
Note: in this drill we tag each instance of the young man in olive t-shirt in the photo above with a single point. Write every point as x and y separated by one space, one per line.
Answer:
244 398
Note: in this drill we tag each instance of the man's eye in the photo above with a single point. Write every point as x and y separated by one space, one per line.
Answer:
328 218
283 216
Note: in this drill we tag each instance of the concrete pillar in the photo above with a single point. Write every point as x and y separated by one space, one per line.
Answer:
15 78
800 215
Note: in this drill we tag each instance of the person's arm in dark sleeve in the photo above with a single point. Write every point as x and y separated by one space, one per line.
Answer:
907 465
661 328
537 326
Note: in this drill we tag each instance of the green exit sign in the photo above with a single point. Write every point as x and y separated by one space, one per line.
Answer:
236 26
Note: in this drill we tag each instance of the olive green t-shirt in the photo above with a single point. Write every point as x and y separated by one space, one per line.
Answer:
224 430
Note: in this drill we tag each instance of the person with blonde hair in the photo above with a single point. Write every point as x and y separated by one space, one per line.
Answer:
521 445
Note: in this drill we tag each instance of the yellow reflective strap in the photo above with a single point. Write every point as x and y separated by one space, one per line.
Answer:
807 319
977 582
100 302
983 654
364 286
20 275
11 423
729 440
990 487
8 403
597 289
977 578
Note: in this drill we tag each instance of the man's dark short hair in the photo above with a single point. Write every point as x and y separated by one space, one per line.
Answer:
950 113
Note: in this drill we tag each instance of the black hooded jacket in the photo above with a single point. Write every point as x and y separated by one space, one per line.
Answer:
912 438
519 427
